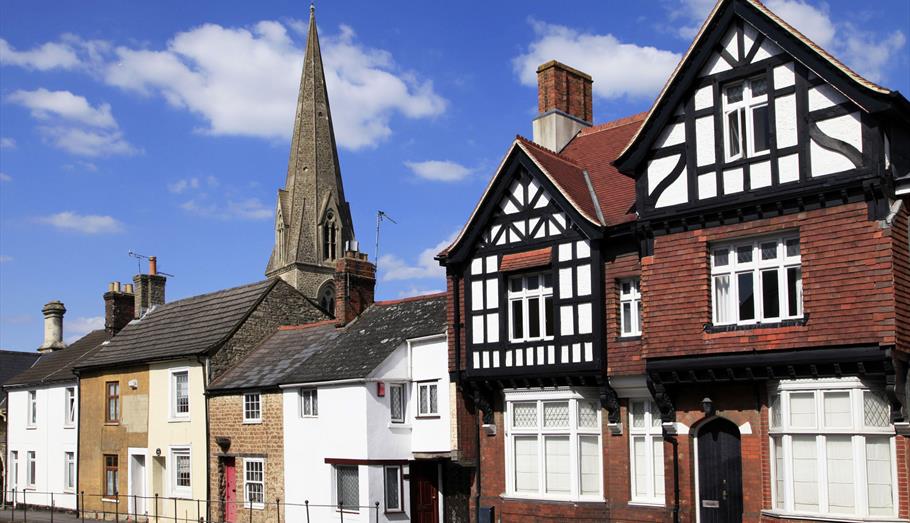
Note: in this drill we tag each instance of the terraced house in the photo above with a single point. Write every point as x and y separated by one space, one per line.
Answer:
697 313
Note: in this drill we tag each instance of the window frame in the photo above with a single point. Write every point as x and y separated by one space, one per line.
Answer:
69 471
69 407
247 396
175 414
633 298
31 469
756 267
32 406
246 482
745 108
180 491
540 433
402 390
430 412
525 295
335 493
308 398
109 398
14 469
385 489
106 468
781 428
650 434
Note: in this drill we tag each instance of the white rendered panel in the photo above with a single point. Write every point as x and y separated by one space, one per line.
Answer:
492 264
565 251
543 201
788 168
582 249
707 185
518 191
564 354
496 360
785 120
731 42
565 282
846 128
673 134
486 359
822 96
704 97
493 328
659 169
704 141
733 181
750 34
760 175
784 76
508 207
676 193
477 266
584 280
560 219
584 318
492 286
566 322
576 352
476 360
589 351
715 65
476 295
477 329
767 50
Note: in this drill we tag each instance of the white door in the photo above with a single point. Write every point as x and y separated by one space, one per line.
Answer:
137 500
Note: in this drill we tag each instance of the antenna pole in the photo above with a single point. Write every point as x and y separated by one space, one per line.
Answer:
379 217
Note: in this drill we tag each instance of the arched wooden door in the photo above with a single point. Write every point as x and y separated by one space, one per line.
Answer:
720 473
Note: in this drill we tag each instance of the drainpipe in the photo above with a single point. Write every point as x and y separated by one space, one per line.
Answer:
674 440
208 439
478 474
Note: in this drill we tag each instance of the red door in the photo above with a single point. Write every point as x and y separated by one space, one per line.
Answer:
424 492
230 490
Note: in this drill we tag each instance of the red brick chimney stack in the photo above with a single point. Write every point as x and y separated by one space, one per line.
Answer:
119 304
355 284
565 103
149 289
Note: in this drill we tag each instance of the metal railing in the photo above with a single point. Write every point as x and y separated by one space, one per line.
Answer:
155 509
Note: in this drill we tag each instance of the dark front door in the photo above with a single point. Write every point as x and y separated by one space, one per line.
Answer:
720 473
229 492
424 492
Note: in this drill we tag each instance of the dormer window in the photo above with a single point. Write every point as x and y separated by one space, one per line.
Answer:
531 307
328 237
747 129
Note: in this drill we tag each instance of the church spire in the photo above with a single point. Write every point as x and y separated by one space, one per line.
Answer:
312 217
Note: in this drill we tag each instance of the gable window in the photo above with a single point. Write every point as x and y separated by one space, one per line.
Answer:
396 402
112 413
832 450
32 408
180 394
69 471
646 452
111 476
392 476
747 130
31 469
347 487
69 415
757 281
309 406
254 483
553 446
181 475
531 307
252 407
629 307
428 401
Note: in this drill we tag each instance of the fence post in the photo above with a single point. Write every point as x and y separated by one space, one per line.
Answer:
52 507
82 502
278 506
117 507
15 502
156 507
306 503
176 515
250 510
341 510
197 510
377 512
24 506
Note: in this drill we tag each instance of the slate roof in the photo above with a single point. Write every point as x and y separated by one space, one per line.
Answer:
321 352
12 363
181 328
56 366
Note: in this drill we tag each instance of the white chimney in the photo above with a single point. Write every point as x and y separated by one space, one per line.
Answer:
53 326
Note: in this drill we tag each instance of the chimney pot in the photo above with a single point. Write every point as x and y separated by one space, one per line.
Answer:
153 265
110 287
564 99
118 307
128 288
53 326
148 289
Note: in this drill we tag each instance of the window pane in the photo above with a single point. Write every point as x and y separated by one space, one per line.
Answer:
655 416
392 488
587 414
794 290
347 486
517 320
876 411
515 284
761 130
775 411
526 464
183 470
557 464
770 294
734 93
556 414
548 281
395 403
626 287
839 452
769 251
759 86
805 474
779 499
524 415
548 315
722 299
627 318
589 455
837 409
721 257
640 474
638 414
734 140
424 399
878 473
746 296
533 282
534 318
802 410
744 254
792 246
658 463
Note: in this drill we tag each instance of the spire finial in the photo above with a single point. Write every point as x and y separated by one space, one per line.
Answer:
312 7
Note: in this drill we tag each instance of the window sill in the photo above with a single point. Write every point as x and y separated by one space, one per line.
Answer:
179 420
637 337
428 416
647 504
825 517
112 423
710 328
182 495
69 426
401 426
515 496
256 506
31 427
109 500
252 422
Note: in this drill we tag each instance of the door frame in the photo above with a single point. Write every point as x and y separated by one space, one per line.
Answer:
133 451
744 429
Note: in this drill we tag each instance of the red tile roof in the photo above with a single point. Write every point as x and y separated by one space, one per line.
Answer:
526 260
567 175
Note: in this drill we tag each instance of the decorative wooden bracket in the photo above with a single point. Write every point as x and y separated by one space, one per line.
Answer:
663 400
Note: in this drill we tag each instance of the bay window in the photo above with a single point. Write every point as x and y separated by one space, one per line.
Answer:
554 445
832 449
646 451
531 307
757 281
747 128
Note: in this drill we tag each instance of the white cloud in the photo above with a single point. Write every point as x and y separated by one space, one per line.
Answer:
439 170
867 52
244 81
5 259
84 142
393 267
417 291
79 327
5 177
46 104
182 185
604 57
7 143
208 200
83 223
51 55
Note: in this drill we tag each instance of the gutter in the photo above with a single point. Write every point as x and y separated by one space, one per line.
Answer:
330 382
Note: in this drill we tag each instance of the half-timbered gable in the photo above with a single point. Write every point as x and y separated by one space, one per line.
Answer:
756 113
530 266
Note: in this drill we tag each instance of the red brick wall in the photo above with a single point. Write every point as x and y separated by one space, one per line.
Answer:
623 355
901 259
566 89
847 286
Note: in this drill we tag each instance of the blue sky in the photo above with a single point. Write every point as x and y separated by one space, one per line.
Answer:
163 127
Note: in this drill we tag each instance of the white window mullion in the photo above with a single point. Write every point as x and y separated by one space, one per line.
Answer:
822 463
861 491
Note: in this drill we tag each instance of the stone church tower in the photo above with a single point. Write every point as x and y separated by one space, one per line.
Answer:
312 218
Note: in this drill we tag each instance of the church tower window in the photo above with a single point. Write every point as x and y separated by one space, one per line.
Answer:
327 297
328 237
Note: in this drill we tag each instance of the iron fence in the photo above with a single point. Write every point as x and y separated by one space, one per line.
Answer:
154 509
